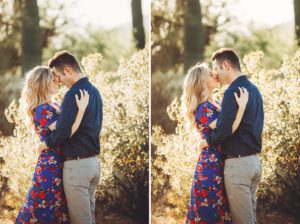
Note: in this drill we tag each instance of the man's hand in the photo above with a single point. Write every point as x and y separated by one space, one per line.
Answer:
41 146
203 144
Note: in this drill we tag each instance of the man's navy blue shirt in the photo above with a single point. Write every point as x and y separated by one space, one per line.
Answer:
246 139
85 141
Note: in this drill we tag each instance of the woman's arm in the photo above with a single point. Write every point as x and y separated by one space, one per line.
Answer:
82 104
242 102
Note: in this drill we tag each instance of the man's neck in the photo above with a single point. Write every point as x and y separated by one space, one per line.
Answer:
234 76
76 79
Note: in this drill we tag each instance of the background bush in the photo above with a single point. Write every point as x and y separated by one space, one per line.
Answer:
175 154
124 140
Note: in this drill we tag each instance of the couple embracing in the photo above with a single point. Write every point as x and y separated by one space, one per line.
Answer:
229 168
68 170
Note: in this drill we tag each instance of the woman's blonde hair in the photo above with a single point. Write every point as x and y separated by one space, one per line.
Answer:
36 90
195 91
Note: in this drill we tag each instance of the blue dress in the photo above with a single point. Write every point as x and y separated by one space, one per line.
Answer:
208 200
45 202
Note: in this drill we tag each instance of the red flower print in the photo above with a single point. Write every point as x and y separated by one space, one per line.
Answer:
42 195
36 204
203 119
31 209
202 222
39 179
204 193
58 195
32 194
44 111
43 121
199 168
205 109
195 207
38 170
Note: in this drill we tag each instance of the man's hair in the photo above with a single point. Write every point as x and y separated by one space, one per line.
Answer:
64 58
227 54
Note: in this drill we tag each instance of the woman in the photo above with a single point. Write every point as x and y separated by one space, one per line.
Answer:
208 200
45 201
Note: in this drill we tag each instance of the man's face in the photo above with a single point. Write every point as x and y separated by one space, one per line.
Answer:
60 76
220 72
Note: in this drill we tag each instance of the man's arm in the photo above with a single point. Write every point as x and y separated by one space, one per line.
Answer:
226 118
64 122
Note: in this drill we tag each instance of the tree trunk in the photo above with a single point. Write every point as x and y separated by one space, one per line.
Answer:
137 24
297 20
31 36
193 33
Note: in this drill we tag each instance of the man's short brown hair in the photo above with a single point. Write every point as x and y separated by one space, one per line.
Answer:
64 58
227 54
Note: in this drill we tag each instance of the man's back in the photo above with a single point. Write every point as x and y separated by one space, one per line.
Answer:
247 138
85 141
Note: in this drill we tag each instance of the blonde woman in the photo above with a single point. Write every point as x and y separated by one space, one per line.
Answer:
208 200
45 201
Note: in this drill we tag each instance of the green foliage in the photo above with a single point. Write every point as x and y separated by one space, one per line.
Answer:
276 43
176 154
124 138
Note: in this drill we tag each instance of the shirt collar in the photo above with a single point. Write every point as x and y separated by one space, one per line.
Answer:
239 79
80 81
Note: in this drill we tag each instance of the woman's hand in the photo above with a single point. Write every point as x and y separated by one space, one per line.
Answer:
41 147
83 101
243 99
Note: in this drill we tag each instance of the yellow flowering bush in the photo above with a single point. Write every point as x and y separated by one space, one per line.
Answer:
175 155
124 138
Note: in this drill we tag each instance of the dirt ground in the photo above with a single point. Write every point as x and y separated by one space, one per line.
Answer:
103 216
164 216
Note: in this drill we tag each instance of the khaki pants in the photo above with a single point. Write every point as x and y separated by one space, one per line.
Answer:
80 179
242 176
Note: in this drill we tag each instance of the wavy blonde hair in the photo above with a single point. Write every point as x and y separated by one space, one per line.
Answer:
36 90
195 91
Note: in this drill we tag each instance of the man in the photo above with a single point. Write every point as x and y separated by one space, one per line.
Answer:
243 169
81 172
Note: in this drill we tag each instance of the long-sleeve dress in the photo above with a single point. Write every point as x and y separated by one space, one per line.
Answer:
208 200
45 201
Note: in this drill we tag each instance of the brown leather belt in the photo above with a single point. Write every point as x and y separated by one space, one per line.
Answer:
78 157
238 156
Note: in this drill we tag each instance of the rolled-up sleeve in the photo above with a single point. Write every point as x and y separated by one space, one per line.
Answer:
64 122
225 120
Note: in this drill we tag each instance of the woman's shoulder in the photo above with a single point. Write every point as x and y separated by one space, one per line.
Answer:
204 106
43 106
45 109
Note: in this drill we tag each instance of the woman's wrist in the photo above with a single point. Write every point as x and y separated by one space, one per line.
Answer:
81 110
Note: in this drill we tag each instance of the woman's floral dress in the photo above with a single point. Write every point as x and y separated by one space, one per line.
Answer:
208 200
45 202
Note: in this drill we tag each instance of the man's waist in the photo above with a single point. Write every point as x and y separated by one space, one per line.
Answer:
230 156
79 157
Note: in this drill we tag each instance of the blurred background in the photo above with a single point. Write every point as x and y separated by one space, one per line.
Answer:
110 40
32 31
266 36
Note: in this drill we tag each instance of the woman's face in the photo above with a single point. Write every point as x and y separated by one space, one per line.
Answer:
212 81
54 85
